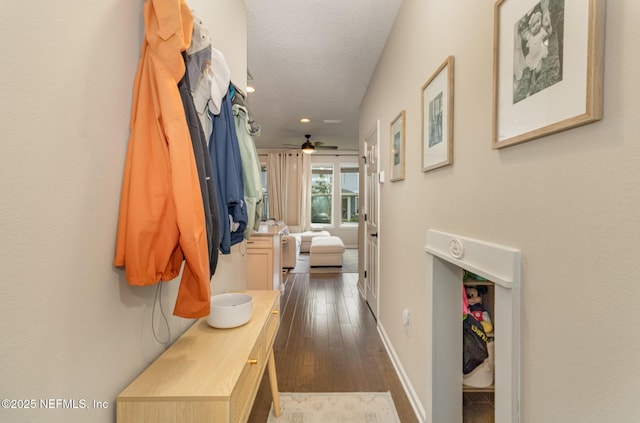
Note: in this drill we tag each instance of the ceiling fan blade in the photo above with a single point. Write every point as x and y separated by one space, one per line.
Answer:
318 145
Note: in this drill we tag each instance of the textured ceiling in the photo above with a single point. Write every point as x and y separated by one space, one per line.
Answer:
313 58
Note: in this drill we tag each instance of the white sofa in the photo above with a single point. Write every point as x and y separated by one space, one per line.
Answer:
290 250
295 243
307 237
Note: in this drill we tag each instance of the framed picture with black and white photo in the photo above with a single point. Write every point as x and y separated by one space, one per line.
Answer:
548 67
437 117
397 147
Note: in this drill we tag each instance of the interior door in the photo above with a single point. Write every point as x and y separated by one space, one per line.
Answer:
372 207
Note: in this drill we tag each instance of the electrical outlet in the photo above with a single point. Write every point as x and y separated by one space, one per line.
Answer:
406 317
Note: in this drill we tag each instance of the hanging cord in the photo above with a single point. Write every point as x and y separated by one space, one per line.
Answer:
158 300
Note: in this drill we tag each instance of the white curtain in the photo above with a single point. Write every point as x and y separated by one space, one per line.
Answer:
289 184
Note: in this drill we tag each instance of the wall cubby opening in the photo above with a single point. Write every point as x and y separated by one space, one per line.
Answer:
478 387
449 256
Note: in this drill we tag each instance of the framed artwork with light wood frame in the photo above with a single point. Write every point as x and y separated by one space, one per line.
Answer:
437 117
548 67
397 147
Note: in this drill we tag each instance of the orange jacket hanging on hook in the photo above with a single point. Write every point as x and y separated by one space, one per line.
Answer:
161 218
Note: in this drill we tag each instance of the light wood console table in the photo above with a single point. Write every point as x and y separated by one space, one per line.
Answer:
208 375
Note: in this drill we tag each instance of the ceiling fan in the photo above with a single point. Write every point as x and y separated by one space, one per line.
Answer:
309 147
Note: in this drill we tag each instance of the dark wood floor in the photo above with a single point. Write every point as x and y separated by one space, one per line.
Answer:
328 342
478 407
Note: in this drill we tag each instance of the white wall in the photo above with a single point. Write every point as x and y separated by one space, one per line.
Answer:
70 326
226 20
568 201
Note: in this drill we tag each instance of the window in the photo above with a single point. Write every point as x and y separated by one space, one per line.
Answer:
321 193
349 192
335 191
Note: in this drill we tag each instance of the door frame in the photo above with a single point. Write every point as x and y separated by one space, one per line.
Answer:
372 138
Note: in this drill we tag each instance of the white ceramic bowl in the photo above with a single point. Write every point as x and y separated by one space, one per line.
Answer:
230 310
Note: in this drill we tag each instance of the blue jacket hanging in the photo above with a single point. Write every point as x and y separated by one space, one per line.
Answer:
224 151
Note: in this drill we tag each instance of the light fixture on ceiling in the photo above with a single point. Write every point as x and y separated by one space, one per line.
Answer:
305 120
250 89
307 147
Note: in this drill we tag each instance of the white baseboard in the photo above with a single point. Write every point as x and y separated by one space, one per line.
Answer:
360 289
404 379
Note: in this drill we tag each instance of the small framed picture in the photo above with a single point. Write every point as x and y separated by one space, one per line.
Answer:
548 67
397 147
437 118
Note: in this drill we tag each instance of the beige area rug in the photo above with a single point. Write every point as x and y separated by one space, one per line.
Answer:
349 264
336 407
